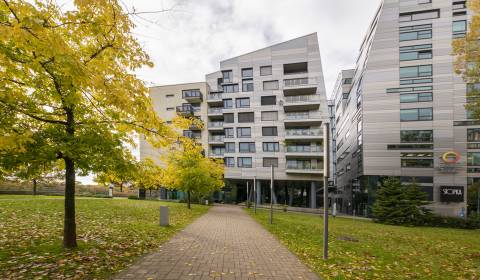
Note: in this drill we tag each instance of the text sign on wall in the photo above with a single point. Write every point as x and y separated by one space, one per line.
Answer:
452 193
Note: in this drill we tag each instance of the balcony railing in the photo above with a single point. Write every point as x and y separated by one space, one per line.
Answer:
216 138
303 166
215 124
303 132
215 110
303 149
191 134
185 109
191 94
302 98
215 96
216 153
302 115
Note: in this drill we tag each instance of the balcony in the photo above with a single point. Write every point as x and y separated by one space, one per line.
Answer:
215 111
216 139
301 102
215 97
299 86
216 153
304 151
301 133
192 95
215 126
304 168
303 118
192 134
185 110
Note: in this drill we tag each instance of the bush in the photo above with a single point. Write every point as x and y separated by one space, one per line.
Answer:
133 197
453 222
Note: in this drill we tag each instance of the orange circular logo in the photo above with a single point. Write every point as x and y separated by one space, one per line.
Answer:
451 157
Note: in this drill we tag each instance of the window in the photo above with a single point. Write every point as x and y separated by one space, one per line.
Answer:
410 147
243 102
229 161
417 114
228 132
416 32
473 158
269 100
265 70
416 136
230 88
347 81
228 118
459 28
191 93
416 81
244 162
270 85
459 5
229 147
416 163
244 132
269 115
409 89
424 1
416 97
416 71
227 76
267 162
246 147
269 131
473 135
247 85
169 95
247 72
170 108
295 68
416 52
419 15
227 103
271 146
246 117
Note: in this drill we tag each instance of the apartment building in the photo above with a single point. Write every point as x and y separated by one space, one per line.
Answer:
401 112
261 109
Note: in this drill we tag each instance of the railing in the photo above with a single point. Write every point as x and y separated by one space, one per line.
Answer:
191 94
185 109
191 134
217 153
215 96
303 132
303 149
215 110
302 115
303 166
216 138
215 124
299 82
302 98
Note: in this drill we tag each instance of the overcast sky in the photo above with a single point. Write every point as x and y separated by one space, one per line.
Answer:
190 39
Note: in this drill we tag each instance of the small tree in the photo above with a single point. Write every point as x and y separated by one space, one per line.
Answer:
417 200
188 170
148 175
119 175
390 205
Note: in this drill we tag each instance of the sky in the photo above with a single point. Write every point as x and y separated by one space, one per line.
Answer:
187 39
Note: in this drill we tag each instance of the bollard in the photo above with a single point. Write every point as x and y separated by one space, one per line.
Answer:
206 202
164 219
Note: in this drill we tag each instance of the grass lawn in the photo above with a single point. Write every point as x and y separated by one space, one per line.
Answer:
111 234
382 251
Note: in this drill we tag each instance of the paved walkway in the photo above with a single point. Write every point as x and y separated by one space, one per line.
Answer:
225 243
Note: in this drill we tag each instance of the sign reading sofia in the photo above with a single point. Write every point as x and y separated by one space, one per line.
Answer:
449 161
452 193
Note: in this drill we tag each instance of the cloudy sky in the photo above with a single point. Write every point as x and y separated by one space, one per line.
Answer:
190 39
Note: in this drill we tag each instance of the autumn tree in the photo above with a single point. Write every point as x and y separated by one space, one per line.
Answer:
67 89
188 170
148 175
122 173
467 61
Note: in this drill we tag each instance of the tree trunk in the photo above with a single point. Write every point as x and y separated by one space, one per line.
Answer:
150 192
121 187
188 200
69 226
34 186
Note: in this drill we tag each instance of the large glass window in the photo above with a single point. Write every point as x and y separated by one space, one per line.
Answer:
415 71
247 72
229 147
417 163
227 76
416 97
228 132
247 85
229 161
459 28
419 15
271 146
227 103
244 132
269 115
265 70
417 114
416 136
230 88
269 131
473 158
416 32
228 118
246 147
268 162
244 162
473 135
243 102
416 52
268 100
246 117
270 85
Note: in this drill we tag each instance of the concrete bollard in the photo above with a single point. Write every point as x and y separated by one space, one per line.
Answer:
206 202
164 216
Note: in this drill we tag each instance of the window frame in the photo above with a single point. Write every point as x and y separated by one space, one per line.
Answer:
274 130
262 68
274 145
240 135
245 114
270 158
241 165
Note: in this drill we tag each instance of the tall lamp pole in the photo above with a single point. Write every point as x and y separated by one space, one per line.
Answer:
326 171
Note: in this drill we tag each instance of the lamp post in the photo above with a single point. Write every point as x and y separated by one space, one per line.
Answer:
326 170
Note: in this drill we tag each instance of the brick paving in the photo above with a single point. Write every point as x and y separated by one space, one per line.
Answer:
225 243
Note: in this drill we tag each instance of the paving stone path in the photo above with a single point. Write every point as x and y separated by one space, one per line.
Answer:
225 243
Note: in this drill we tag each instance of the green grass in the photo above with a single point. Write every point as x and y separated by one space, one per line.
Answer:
111 233
382 251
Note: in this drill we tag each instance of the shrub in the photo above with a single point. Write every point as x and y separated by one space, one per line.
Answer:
453 222
133 197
